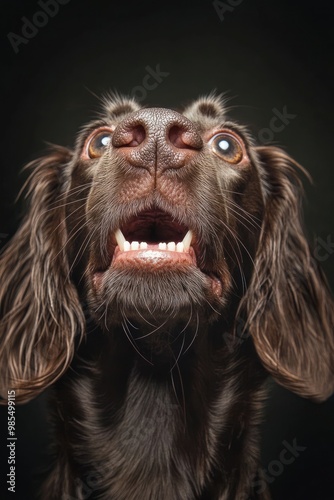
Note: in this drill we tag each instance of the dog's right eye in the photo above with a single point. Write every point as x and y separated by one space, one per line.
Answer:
98 142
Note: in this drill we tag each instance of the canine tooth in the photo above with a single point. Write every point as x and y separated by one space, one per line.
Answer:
135 245
143 245
127 246
187 240
162 246
171 246
120 239
180 247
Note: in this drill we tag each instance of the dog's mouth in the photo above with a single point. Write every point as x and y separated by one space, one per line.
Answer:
153 238
155 241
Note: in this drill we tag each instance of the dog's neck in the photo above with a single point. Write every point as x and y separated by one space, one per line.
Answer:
175 369
159 418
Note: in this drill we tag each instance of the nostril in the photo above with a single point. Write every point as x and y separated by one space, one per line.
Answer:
138 136
183 138
175 136
130 136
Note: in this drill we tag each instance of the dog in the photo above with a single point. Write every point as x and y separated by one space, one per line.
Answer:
161 274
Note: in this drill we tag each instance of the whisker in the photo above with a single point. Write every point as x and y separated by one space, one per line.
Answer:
182 403
180 353
143 318
195 334
245 218
66 204
88 238
132 342
153 331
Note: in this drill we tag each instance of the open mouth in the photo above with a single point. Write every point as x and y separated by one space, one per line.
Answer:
154 241
153 238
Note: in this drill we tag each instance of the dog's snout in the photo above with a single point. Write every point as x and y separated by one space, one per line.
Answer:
157 139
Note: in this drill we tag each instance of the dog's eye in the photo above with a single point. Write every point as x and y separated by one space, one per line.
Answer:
227 147
98 143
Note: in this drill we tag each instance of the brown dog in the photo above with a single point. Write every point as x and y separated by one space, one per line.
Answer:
160 275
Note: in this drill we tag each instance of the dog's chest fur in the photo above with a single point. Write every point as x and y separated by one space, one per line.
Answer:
151 444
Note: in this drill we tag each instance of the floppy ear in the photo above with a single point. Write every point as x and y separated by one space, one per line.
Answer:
40 312
288 305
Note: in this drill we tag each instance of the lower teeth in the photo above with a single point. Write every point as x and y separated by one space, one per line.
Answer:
181 246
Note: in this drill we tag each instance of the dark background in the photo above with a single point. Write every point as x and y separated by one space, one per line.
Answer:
265 55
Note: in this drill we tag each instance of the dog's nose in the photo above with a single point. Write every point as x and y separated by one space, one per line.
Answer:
157 139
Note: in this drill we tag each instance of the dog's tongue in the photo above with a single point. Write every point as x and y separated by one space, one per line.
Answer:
153 255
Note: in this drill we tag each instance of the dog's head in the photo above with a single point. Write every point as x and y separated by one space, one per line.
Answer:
172 216
165 223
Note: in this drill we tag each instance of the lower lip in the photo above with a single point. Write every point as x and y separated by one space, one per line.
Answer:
152 257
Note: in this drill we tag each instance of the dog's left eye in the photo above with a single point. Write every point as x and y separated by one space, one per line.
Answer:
98 143
227 147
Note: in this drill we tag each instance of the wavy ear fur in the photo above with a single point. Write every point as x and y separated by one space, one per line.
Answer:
288 305
40 312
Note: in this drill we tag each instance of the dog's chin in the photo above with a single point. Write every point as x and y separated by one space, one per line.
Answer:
155 308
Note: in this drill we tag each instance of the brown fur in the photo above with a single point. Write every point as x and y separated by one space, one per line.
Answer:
158 378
